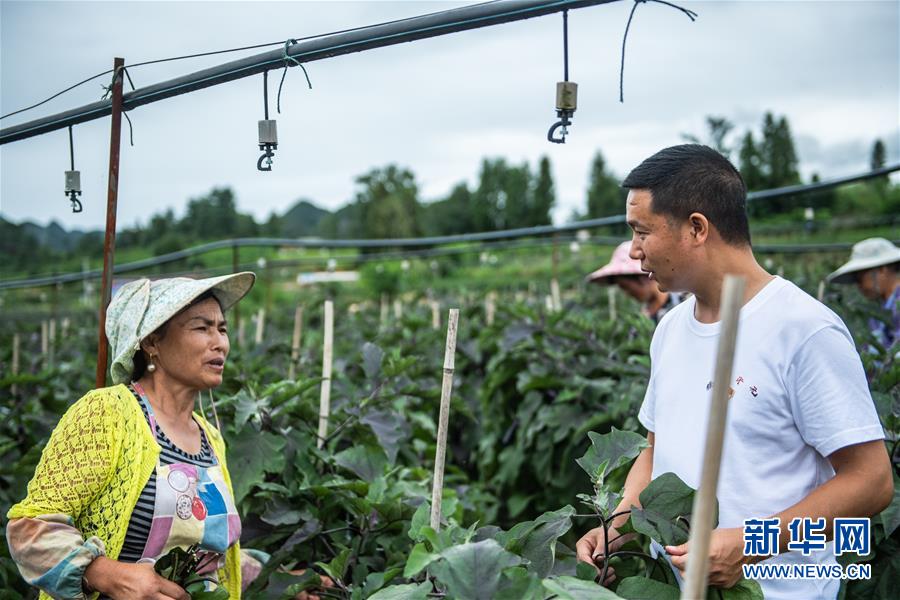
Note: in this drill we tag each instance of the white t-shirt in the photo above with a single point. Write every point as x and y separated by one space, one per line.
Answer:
800 393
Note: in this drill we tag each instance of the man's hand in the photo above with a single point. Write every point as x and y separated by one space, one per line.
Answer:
726 555
590 549
125 581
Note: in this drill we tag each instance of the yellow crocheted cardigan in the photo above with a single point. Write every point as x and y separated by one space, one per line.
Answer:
97 462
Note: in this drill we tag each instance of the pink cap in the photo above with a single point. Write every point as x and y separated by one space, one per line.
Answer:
619 264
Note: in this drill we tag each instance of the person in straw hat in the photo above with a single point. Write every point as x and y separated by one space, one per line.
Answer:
626 273
873 267
131 471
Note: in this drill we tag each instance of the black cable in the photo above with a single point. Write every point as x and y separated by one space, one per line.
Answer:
71 148
566 45
690 14
266 93
214 52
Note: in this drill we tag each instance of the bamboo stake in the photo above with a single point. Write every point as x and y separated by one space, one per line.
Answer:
437 490
435 315
51 342
611 296
398 308
705 500
260 325
325 396
45 346
384 309
554 294
240 338
65 327
490 307
821 295
548 301
15 360
295 342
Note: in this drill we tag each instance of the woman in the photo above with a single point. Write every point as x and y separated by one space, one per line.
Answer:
130 471
626 273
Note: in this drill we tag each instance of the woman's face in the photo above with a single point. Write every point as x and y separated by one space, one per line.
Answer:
194 348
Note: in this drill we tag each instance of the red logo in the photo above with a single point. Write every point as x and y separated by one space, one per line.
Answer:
739 380
199 509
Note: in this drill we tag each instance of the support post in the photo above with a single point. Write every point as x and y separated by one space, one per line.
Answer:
327 356
437 490
112 199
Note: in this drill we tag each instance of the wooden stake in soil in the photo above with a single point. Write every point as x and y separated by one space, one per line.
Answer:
398 308
260 325
490 307
384 309
705 500
554 294
295 342
437 490
240 337
435 315
15 360
611 296
51 342
45 340
327 354
821 293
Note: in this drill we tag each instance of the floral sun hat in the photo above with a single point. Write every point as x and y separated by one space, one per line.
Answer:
140 307
867 254
619 264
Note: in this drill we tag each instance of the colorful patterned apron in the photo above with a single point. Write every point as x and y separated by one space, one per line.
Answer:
193 506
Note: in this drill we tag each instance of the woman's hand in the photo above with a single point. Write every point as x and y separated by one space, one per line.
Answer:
126 581
311 594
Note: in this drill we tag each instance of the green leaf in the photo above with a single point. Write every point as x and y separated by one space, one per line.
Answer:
284 586
250 456
365 461
420 519
335 569
585 571
659 527
473 571
418 559
890 517
410 591
245 407
372 359
642 588
538 544
280 512
390 428
517 583
745 589
667 502
609 452
570 588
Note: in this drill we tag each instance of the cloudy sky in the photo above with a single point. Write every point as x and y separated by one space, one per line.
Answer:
436 106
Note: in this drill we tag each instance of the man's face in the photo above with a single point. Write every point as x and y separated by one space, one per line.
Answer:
657 243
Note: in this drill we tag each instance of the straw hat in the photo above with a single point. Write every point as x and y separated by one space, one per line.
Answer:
867 254
619 264
140 307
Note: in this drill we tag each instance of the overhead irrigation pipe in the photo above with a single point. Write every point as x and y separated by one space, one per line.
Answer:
365 38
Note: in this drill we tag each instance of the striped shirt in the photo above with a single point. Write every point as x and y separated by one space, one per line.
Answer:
139 525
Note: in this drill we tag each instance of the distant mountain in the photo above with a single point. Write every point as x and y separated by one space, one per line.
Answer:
53 236
302 220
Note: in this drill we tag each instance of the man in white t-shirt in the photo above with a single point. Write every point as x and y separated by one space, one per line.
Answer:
802 437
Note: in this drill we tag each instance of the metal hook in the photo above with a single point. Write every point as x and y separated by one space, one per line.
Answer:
267 156
76 203
562 123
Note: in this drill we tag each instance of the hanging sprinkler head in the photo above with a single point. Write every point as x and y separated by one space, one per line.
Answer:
566 94
73 179
268 131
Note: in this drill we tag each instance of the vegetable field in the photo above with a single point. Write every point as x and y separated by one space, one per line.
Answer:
542 430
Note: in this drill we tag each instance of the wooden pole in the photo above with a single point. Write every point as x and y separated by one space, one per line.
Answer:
554 295
327 355
51 342
821 294
240 338
45 341
15 360
384 309
112 199
435 315
437 490
705 500
611 297
260 325
235 265
490 307
295 342
398 308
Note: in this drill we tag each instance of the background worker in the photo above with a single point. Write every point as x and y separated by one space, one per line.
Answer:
873 267
626 273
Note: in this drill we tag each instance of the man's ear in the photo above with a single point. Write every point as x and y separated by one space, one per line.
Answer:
698 227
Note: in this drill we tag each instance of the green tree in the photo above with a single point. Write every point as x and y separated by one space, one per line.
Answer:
880 185
779 162
518 206
543 195
718 129
450 215
749 163
605 197
489 199
389 205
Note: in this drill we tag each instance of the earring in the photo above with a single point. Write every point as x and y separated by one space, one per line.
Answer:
150 366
